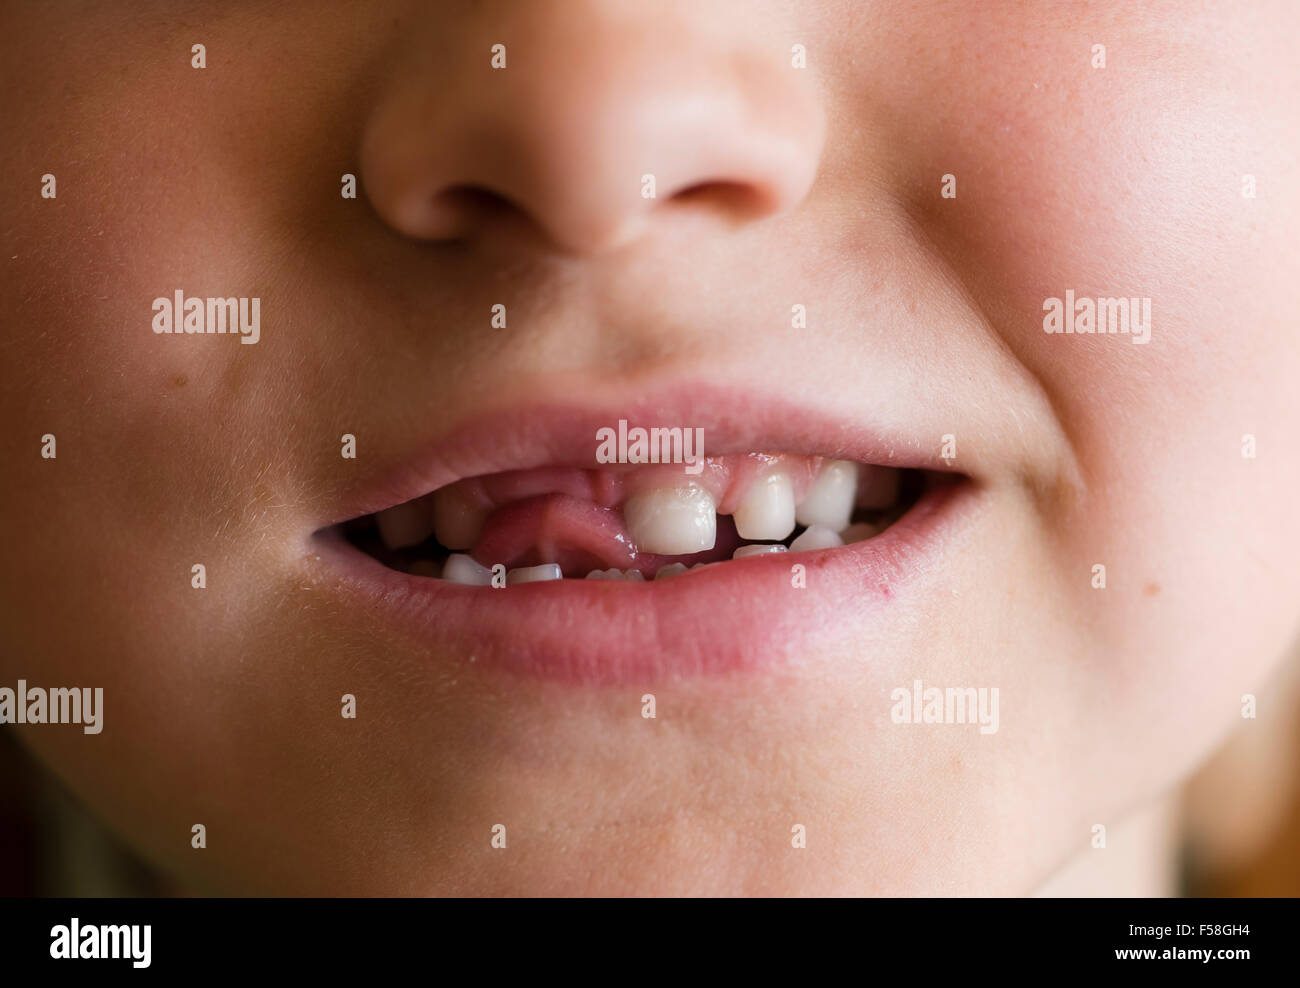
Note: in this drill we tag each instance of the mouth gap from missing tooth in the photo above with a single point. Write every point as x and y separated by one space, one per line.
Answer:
428 557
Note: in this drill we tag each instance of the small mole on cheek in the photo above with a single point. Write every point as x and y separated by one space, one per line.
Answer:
1151 589
179 380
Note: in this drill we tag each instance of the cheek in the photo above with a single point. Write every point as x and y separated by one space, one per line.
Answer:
156 193
1127 181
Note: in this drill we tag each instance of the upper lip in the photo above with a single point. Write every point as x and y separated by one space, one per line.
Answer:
558 432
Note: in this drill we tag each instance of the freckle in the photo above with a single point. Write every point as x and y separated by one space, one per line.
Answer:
179 380
1151 589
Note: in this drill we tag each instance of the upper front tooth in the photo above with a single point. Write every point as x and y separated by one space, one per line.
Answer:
457 520
877 486
404 524
672 521
766 512
829 500
534 574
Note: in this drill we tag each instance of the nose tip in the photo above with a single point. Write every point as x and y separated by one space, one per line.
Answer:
593 151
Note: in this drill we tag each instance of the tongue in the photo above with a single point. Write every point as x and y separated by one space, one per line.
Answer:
580 536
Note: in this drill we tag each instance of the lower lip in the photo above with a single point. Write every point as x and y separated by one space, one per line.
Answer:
735 617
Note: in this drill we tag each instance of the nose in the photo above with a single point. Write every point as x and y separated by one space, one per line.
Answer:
596 124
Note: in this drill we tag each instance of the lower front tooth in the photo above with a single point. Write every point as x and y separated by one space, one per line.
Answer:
463 569
858 532
534 574
756 550
672 521
766 511
672 569
816 537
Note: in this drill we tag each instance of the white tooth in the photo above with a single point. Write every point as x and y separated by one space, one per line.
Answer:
456 520
829 500
815 537
877 486
534 574
423 567
613 574
858 532
672 521
766 512
463 569
756 550
672 569
405 524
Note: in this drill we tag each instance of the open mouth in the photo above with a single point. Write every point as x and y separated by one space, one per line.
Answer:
636 523
506 543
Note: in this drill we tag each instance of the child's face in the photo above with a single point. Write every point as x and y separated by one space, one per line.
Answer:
776 186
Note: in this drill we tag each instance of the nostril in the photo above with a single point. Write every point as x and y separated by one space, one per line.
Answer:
741 200
475 197
460 210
